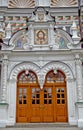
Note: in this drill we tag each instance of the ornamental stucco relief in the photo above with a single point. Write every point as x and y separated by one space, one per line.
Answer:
41 72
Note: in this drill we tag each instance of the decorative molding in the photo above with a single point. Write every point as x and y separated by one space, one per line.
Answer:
41 72
2 104
23 66
52 42
21 4
64 3
59 66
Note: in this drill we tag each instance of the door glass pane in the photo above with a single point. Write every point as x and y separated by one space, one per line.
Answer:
20 101
37 95
33 90
49 95
50 101
20 90
20 95
25 90
33 101
37 102
49 90
62 89
58 89
63 101
45 90
24 96
24 102
45 95
33 95
58 101
37 90
45 101
62 95
58 95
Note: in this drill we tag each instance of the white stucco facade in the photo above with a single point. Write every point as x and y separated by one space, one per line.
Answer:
40 57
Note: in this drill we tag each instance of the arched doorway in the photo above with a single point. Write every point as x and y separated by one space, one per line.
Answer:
41 105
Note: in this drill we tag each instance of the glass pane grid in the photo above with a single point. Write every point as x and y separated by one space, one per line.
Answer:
35 96
22 96
47 96
60 95
59 77
31 78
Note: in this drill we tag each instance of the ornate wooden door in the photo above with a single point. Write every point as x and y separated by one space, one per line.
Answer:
58 97
46 105
35 115
61 103
23 106
23 110
41 104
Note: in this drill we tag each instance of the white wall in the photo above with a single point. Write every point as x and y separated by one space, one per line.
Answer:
3 2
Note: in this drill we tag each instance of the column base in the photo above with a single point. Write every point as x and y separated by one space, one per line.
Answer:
80 113
80 123
3 114
2 123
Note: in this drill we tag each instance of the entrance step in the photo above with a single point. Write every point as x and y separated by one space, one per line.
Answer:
38 125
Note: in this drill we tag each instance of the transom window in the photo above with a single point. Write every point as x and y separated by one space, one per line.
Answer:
52 77
29 78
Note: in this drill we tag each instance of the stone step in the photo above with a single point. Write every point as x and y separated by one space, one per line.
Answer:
38 125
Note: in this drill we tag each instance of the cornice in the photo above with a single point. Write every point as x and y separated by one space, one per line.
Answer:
53 10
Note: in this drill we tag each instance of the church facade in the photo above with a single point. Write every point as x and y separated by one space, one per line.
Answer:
41 58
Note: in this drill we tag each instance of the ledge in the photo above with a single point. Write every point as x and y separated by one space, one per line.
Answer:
79 103
4 104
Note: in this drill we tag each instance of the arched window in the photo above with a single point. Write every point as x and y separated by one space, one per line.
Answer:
27 78
51 77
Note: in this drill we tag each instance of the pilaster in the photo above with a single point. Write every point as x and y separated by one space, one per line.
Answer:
79 103
78 64
4 79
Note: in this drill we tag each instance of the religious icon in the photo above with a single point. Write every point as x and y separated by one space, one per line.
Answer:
41 36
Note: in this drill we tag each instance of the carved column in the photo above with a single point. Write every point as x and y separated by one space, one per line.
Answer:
79 78
4 82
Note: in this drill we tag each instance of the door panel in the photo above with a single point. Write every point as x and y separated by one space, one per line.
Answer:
47 109
23 104
35 105
46 105
61 106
